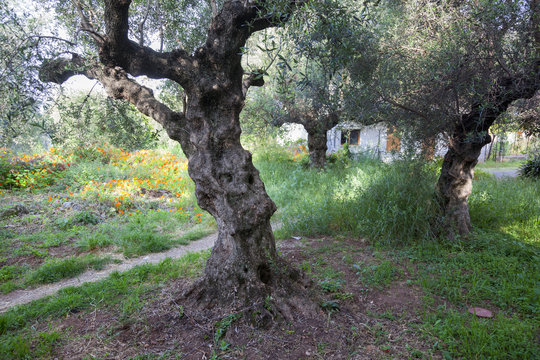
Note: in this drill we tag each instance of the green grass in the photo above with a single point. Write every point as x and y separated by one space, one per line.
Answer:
125 290
378 275
145 233
498 165
393 207
385 203
20 276
503 337
57 269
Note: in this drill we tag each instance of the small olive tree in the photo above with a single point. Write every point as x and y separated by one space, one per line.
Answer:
328 57
453 68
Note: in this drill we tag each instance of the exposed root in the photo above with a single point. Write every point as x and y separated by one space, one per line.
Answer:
284 298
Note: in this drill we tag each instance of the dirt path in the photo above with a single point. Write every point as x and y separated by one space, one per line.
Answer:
24 296
499 174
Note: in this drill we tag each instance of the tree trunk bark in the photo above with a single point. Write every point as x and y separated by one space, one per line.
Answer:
455 182
317 148
243 264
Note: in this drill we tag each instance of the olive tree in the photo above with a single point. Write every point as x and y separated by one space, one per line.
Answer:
328 56
244 265
453 68
21 93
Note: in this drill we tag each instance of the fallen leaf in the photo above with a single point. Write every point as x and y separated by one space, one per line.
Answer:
480 312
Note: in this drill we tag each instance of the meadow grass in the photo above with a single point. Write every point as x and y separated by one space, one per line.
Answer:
144 233
125 291
387 203
499 165
15 277
393 206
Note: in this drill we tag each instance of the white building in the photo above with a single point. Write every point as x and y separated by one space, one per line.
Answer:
376 140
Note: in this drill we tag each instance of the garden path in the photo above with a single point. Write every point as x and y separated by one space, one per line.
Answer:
499 174
24 296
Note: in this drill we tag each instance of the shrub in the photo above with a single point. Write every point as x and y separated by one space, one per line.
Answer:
531 168
104 153
29 172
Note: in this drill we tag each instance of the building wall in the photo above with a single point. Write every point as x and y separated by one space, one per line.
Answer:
372 140
292 133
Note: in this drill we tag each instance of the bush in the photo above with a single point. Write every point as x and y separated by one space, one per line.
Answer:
29 172
104 153
531 168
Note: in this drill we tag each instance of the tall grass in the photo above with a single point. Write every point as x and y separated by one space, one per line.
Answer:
509 205
387 203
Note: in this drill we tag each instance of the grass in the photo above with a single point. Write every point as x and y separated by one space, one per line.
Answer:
144 233
21 276
498 165
378 275
54 270
125 290
389 205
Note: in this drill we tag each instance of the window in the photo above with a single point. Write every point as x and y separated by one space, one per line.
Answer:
354 138
351 137
343 138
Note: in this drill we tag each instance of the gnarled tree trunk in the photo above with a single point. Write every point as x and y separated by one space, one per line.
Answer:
243 266
455 182
471 133
316 126
317 148
228 186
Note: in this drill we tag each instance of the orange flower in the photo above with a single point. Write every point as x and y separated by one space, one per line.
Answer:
50 198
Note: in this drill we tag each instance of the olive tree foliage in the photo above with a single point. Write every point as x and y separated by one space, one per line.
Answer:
120 40
526 115
85 119
21 94
320 48
452 68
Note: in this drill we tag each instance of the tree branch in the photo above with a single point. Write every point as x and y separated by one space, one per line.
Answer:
118 50
238 19
88 27
118 85
214 8
255 78
401 106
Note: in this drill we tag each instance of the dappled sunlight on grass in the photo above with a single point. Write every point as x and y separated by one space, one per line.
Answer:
386 203
511 206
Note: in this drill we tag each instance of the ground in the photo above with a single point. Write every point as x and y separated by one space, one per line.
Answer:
382 285
359 318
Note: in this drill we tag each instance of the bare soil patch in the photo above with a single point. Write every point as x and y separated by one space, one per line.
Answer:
367 322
